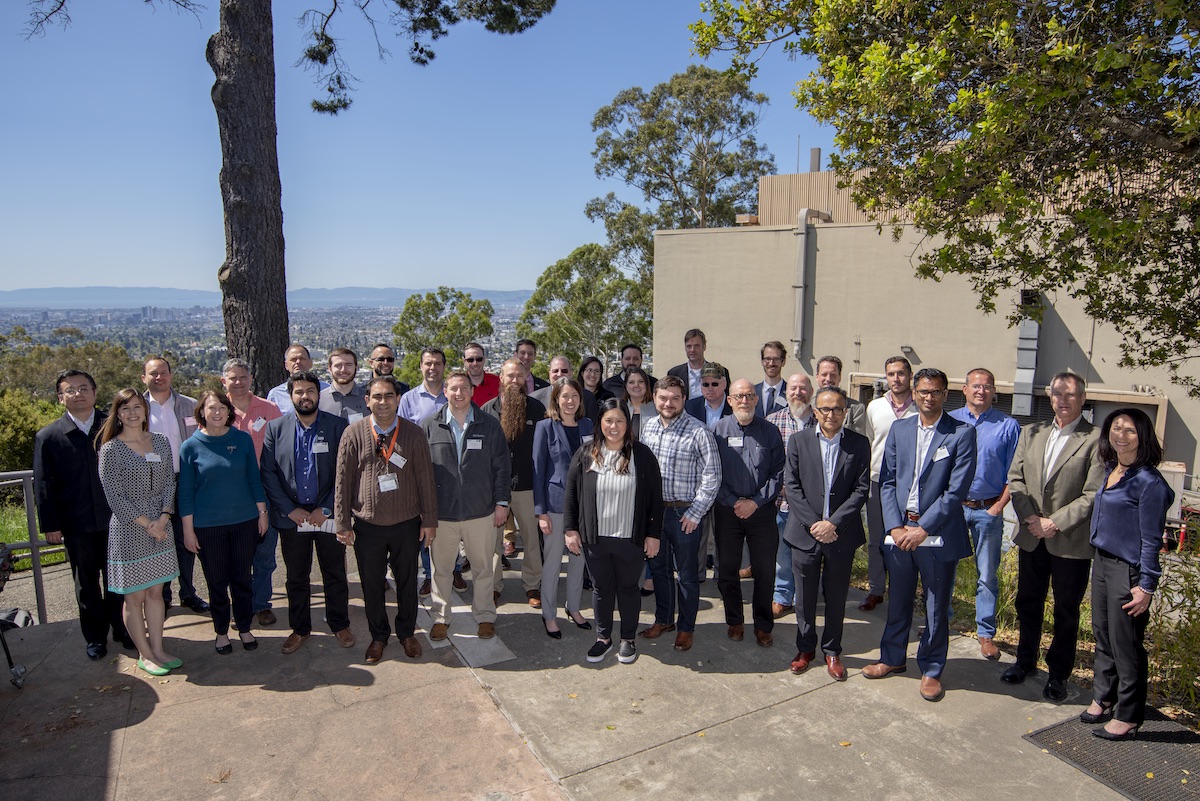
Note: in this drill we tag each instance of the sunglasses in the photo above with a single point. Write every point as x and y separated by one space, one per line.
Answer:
473 359
384 359
710 384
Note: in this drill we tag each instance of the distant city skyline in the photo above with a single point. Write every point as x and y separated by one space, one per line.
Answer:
473 171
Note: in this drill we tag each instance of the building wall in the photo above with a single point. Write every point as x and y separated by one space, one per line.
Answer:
863 304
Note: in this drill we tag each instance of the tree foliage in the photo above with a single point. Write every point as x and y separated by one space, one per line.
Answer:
630 246
21 416
446 319
1050 145
582 306
688 145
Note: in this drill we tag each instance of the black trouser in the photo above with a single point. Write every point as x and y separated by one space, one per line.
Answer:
226 554
616 565
1037 572
99 609
297 547
829 569
376 548
187 565
1121 664
760 533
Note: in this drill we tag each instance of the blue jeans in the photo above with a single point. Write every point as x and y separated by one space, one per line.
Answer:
262 570
682 551
986 535
785 582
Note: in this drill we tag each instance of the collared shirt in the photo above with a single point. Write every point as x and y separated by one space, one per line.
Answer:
900 411
459 431
254 420
713 416
83 425
771 394
996 436
787 424
694 382
687 454
352 405
280 397
418 403
162 421
924 440
306 464
384 432
830 450
752 460
1055 444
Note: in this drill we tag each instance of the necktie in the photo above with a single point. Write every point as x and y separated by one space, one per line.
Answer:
770 399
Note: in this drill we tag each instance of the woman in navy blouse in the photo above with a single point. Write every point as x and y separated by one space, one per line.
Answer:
224 511
1128 519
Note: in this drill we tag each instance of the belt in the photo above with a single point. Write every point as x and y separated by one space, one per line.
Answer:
913 517
677 504
980 504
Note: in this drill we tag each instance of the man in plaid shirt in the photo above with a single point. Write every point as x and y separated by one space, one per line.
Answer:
797 417
691 474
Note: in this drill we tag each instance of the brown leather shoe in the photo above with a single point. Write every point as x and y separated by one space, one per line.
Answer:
535 598
988 648
345 637
496 597
460 583
656 630
801 662
438 632
779 610
683 640
931 689
487 631
426 589
764 638
412 648
293 642
878 670
870 602
736 632
266 618
375 651
835 668
745 572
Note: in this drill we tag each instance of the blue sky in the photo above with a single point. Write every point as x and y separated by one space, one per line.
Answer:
473 171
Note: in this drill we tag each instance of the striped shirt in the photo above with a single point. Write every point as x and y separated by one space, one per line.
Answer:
691 467
615 494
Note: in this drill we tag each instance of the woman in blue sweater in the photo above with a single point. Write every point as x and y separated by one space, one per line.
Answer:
1128 518
224 512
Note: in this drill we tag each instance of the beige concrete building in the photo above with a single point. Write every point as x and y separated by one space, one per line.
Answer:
838 286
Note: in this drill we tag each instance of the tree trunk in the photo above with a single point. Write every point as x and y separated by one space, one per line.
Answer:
253 284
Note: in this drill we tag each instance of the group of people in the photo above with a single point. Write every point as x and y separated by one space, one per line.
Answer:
628 478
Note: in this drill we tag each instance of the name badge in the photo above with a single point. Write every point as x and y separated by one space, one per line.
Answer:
153 457
474 444
941 454
320 447
189 421
353 417
736 442
398 460
387 483
258 424
586 439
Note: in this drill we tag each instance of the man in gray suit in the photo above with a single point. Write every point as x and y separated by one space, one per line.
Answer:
1053 479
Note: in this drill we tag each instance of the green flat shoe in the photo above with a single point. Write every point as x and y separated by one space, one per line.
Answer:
153 671
173 664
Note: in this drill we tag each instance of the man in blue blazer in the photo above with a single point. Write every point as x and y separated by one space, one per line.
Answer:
711 404
928 465
299 466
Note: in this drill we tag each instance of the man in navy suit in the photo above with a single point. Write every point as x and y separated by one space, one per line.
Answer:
299 466
771 391
928 465
711 404
827 478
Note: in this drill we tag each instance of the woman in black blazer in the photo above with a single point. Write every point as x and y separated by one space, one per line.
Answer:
612 513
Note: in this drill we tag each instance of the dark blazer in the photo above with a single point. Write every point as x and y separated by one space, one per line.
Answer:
278 464
680 371
695 407
615 384
804 482
579 501
780 399
521 451
66 478
944 481
552 454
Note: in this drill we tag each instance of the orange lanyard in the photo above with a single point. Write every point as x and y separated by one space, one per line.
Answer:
386 453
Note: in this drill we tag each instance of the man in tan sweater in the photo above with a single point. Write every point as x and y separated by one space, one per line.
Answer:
385 505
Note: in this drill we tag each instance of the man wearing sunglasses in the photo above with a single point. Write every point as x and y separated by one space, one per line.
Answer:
383 362
711 405
485 385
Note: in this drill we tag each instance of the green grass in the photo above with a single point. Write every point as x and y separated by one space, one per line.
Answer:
13 528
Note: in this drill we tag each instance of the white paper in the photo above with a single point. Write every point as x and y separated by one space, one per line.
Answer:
735 442
258 424
398 460
328 526
153 457
928 542
474 444
353 417
940 454
320 447
388 483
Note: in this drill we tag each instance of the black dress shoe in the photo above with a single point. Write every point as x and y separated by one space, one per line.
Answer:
1015 674
96 650
249 645
198 605
224 650
1055 690
1103 716
554 635
1105 734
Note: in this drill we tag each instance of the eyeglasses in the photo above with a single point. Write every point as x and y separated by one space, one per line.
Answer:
831 409
71 392
988 387
473 359
746 396
929 393
772 359
710 383
384 359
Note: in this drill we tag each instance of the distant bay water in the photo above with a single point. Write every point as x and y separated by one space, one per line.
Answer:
112 297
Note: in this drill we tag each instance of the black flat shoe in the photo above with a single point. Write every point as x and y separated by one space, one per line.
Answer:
1055 690
224 650
1104 715
645 592
1105 734
249 645
554 635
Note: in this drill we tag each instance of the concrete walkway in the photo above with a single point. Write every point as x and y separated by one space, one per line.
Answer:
518 717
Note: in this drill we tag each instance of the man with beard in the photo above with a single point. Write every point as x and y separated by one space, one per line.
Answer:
299 465
631 356
798 416
383 362
752 460
344 398
518 415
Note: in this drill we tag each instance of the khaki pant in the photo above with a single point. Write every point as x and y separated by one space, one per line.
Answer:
479 538
521 506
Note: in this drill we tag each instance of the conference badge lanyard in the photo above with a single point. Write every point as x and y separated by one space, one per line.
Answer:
387 481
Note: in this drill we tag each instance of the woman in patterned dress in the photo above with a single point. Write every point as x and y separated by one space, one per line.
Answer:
139 482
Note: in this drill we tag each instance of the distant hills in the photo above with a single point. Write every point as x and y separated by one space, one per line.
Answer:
113 297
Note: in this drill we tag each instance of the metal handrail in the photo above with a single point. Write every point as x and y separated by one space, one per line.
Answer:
35 543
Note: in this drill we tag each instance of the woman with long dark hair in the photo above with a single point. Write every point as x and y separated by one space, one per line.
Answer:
139 482
591 377
1128 518
638 399
612 514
